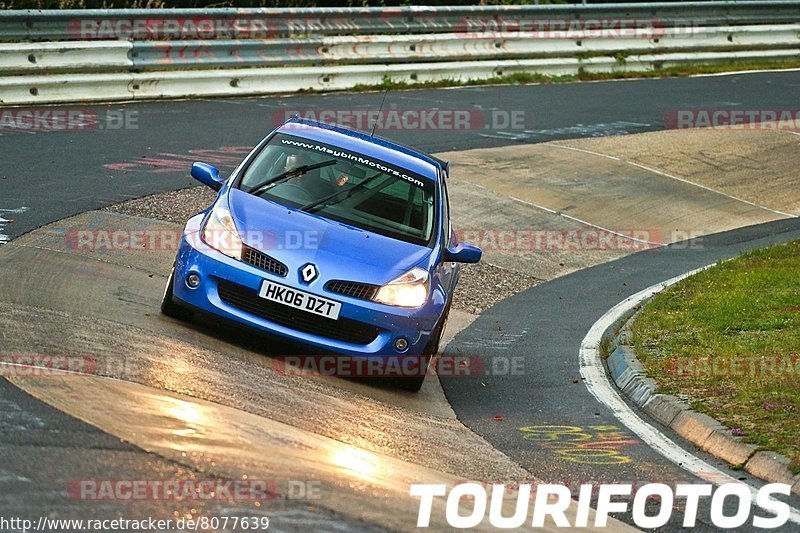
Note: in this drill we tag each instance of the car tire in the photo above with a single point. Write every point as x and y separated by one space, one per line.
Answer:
414 384
168 305
432 348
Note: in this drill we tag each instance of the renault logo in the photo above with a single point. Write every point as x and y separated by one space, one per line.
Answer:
308 273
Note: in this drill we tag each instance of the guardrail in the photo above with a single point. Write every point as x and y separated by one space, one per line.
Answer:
146 53
154 55
35 25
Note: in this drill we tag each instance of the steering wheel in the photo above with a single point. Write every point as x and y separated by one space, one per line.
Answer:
294 193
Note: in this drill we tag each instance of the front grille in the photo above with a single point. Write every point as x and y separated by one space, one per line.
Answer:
352 288
263 261
344 329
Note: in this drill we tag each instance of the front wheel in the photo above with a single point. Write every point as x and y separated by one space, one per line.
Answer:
168 305
414 384
432 348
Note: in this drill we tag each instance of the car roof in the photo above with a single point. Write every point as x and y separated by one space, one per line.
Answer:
389 151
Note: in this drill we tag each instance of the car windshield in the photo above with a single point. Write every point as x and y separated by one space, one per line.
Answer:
344 186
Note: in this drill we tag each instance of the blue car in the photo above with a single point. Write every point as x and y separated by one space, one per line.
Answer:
330 238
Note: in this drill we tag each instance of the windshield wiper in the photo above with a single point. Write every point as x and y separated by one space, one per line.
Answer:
291 174
328 198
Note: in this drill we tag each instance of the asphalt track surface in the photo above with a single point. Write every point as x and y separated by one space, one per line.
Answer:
543 327
58 174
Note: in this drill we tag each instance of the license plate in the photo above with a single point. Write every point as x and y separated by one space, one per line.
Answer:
300 299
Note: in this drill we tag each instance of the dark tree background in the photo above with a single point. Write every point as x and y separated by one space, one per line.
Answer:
93 4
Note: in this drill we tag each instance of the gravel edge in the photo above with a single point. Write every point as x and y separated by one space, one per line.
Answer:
480 287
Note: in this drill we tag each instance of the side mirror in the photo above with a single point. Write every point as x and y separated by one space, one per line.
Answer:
207 175
463 253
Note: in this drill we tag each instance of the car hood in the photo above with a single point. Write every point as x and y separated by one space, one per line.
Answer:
338 250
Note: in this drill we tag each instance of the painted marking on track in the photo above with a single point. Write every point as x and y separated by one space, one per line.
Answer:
682 180
18 131
6 477
3 221
613 158
678 178
225 158
739 72
585 223
14 418
3 236
594 373
499 340
578 130
591 445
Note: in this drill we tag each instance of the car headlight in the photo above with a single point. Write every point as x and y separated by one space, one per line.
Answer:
220 233
409 290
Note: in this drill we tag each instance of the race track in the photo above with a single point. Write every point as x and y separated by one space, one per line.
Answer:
544 327
58 174
59 300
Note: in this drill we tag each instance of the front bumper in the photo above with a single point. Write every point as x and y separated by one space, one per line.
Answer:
349 335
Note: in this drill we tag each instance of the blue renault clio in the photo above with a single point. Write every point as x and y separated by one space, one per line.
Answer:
327 237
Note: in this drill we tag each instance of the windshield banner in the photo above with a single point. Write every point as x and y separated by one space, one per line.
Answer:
359 159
